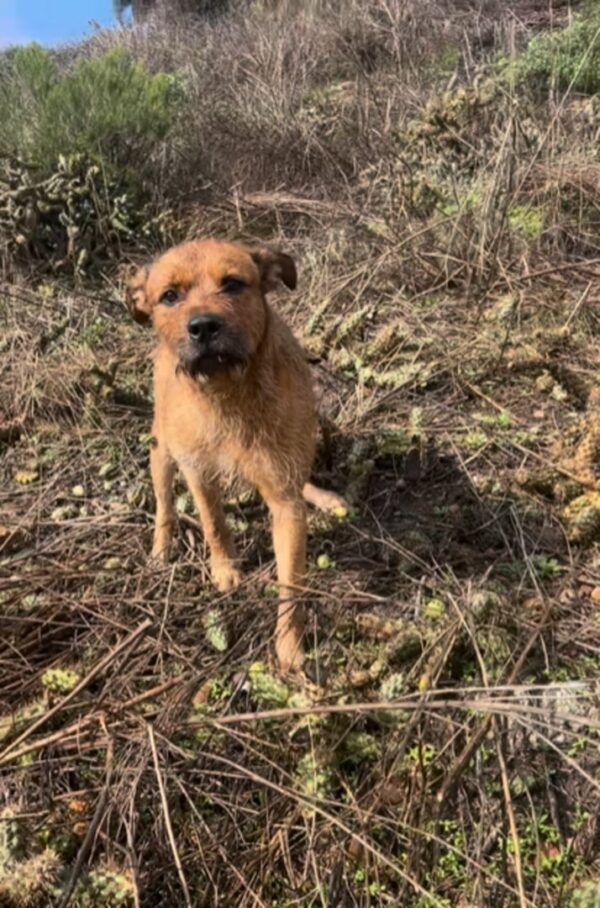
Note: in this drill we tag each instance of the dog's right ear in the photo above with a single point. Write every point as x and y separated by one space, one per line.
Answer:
136 298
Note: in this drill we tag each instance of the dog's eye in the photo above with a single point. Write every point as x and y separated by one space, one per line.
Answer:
169 297
232 285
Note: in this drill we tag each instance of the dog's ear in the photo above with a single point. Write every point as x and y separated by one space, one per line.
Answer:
135 296
275 266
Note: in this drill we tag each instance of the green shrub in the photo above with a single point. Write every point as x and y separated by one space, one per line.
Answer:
568 56
29 74
108 108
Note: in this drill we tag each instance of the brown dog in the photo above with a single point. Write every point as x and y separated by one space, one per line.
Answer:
233 398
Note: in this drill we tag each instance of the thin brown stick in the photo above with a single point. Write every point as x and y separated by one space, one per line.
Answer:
75 728
167 816
510 813
91 830
498 707
474 743
133 639
253 895
305 800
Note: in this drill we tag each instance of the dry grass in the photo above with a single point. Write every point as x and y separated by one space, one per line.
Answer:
447 753
310 91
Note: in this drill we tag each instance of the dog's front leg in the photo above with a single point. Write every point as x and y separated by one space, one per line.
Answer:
289 542
162 468
207 498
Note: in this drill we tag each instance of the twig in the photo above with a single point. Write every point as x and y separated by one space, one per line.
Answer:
578 305
167 816
219 847
313 804
489 400
407 704
510 812
92 828
549 463
64 733
149 694
473 745
131 640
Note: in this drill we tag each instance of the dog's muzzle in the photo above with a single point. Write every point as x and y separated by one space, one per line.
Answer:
212 347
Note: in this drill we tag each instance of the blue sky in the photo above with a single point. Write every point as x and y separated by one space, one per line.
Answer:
50 21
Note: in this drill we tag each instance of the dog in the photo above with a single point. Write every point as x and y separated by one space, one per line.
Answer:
233 399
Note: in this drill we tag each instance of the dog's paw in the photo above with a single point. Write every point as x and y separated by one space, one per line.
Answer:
336 504
290 663
225 575
330 501
325 500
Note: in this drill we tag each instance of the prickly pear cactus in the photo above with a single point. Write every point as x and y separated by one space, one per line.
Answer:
31 883
313 776
216 630
11 840
105 887
585 463
268 690
24 881
582 517
74 220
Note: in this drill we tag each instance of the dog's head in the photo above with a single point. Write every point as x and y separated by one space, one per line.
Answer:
206 300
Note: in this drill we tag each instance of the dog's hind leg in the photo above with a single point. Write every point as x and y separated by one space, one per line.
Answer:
323 499
207 498
162 468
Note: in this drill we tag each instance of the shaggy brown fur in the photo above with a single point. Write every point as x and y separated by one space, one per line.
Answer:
233 399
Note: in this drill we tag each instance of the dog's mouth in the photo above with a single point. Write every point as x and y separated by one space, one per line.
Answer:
204 361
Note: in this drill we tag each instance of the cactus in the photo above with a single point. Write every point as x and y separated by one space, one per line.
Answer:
587 896
30 882
105 887
392 689
60 680
72 221
582 516
312 777
23 881
360 467
386 339
11 840
268 690
350 322
359 747
215 630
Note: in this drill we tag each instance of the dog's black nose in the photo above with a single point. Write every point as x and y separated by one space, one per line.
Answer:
203 327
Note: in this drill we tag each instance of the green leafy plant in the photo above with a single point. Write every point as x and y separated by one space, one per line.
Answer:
567 57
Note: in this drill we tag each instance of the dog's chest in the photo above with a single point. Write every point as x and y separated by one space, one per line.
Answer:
219 456
228 442
214 463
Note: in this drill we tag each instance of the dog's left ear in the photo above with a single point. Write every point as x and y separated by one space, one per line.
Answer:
274 267
136 298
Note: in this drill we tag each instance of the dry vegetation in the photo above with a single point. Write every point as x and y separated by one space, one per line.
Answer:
439 186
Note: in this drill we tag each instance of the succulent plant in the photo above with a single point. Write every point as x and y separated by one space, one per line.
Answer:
587 896
268 690
582 516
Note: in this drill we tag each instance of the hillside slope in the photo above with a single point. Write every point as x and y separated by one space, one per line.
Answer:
439 189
